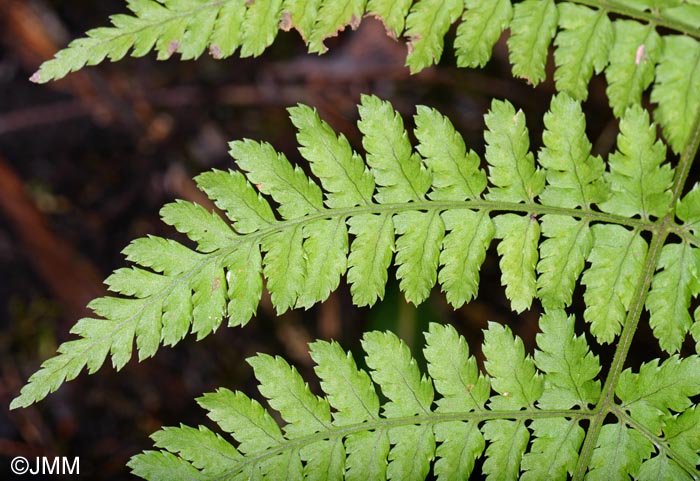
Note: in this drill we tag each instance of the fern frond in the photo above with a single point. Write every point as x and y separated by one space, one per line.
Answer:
426 205
526 416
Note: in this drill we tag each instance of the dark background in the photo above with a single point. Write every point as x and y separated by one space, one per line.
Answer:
87 162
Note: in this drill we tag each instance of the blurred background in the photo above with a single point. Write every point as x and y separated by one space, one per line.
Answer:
87 162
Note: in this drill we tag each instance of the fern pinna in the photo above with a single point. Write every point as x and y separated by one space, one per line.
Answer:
631 53
533 422
438 211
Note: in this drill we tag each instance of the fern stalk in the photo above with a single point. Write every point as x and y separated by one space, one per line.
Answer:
625 10
660 233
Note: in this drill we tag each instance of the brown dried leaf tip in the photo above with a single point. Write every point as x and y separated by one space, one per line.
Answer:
215 51
173 46
411 41
286 21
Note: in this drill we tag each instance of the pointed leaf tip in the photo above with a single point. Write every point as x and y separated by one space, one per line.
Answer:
36 77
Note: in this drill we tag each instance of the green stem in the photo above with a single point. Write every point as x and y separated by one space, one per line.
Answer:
664 227
642 15
381 424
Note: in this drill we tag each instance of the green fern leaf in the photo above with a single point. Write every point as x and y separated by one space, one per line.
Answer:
574 176
204 449
463 252
260 26
426 26
454 372
669 298
409 394
513 374
370 256
393 368
245 419
206 228
392 12
554 450
284 266
617 259
417 252
426 205
662 468
511 165
228 30
460 444
325 250
682 432
398 172
349 390
650 395
154 26
247 209
367 454
633 59
688 210
619 451
272 174
304 413
195 38
677 89
570 367
687 13
456 173
639 183
562 256
582 47
457 378
482 25
208 301
164 466
243 268
332 17
518 251
508 441
533 27
342 172
300 15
